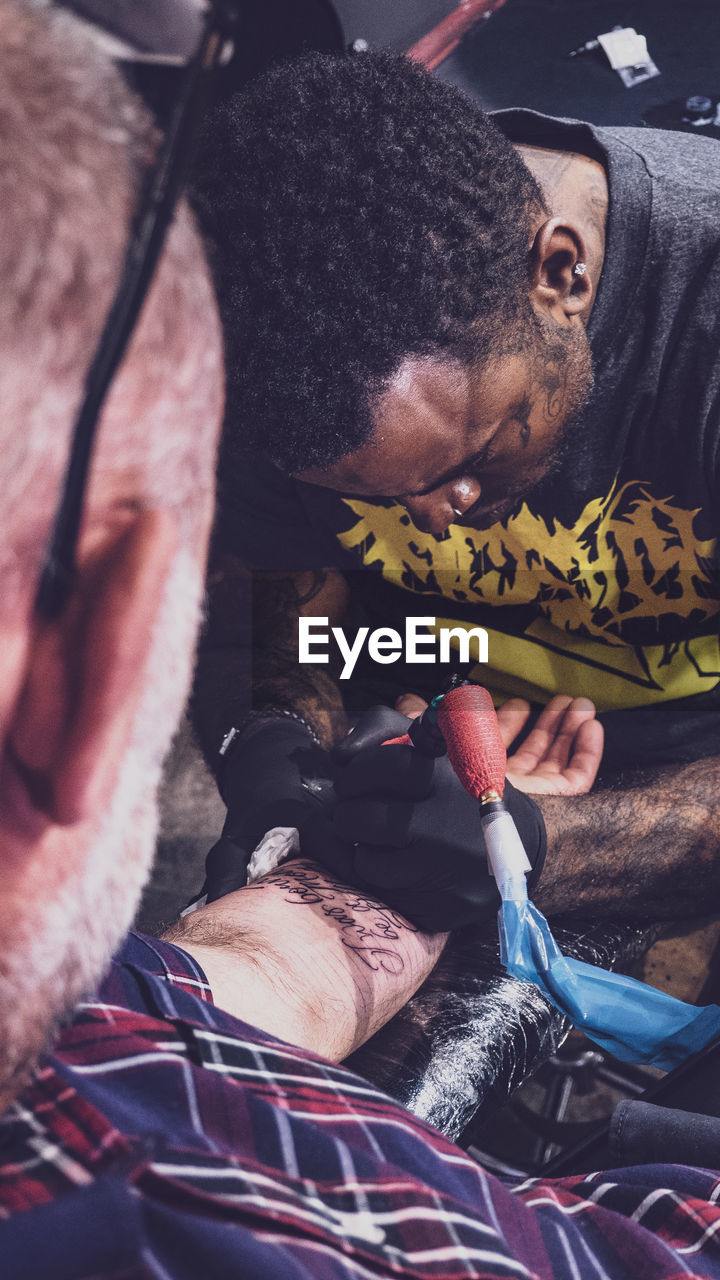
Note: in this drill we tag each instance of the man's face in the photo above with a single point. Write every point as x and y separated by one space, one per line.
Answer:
464 445
70 886
67 905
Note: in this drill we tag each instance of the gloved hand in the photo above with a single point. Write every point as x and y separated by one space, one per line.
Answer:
274 776
405 829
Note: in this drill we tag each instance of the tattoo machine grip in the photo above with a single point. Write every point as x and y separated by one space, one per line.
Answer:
469 725
467 720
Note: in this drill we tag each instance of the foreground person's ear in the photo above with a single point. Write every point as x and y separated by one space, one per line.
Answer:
84 671
560 283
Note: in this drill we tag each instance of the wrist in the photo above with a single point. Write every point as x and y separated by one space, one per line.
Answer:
258 740
274 776
233 735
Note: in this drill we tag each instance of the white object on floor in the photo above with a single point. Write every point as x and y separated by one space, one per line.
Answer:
627 53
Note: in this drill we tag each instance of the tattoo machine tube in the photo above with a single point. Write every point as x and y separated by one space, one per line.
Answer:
629 1019
505 850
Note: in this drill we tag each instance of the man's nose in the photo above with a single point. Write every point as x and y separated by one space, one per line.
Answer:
434 512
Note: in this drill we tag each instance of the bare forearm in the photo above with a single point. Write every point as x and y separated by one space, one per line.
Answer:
308 958
650 848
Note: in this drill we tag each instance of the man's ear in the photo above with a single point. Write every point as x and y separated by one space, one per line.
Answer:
84 671
555 286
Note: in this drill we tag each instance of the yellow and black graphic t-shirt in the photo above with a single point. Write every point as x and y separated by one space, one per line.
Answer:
605 581
620 606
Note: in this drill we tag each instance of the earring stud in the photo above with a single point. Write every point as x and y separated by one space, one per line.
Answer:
580 268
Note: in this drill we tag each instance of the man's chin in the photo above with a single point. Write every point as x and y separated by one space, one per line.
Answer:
66 931
64 942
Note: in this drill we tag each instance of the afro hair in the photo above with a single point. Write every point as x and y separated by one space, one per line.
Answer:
359 211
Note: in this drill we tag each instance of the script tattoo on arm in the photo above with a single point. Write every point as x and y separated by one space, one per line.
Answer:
308 958
371 931
648 846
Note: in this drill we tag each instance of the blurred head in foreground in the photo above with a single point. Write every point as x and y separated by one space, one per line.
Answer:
88 703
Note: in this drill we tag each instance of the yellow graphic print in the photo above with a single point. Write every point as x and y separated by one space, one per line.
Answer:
619 601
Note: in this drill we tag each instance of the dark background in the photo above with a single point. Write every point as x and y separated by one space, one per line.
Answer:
518 58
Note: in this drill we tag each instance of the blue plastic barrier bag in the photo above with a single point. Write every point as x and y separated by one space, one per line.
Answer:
629 1019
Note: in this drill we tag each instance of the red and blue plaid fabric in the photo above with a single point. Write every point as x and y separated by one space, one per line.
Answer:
164 1138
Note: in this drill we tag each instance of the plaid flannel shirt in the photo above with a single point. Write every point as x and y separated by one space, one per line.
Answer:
164 1138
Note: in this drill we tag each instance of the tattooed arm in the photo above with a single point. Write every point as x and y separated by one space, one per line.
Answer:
257 613
650 846
279 600
308 959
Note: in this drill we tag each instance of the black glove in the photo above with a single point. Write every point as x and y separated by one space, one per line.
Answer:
274 776
405 829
